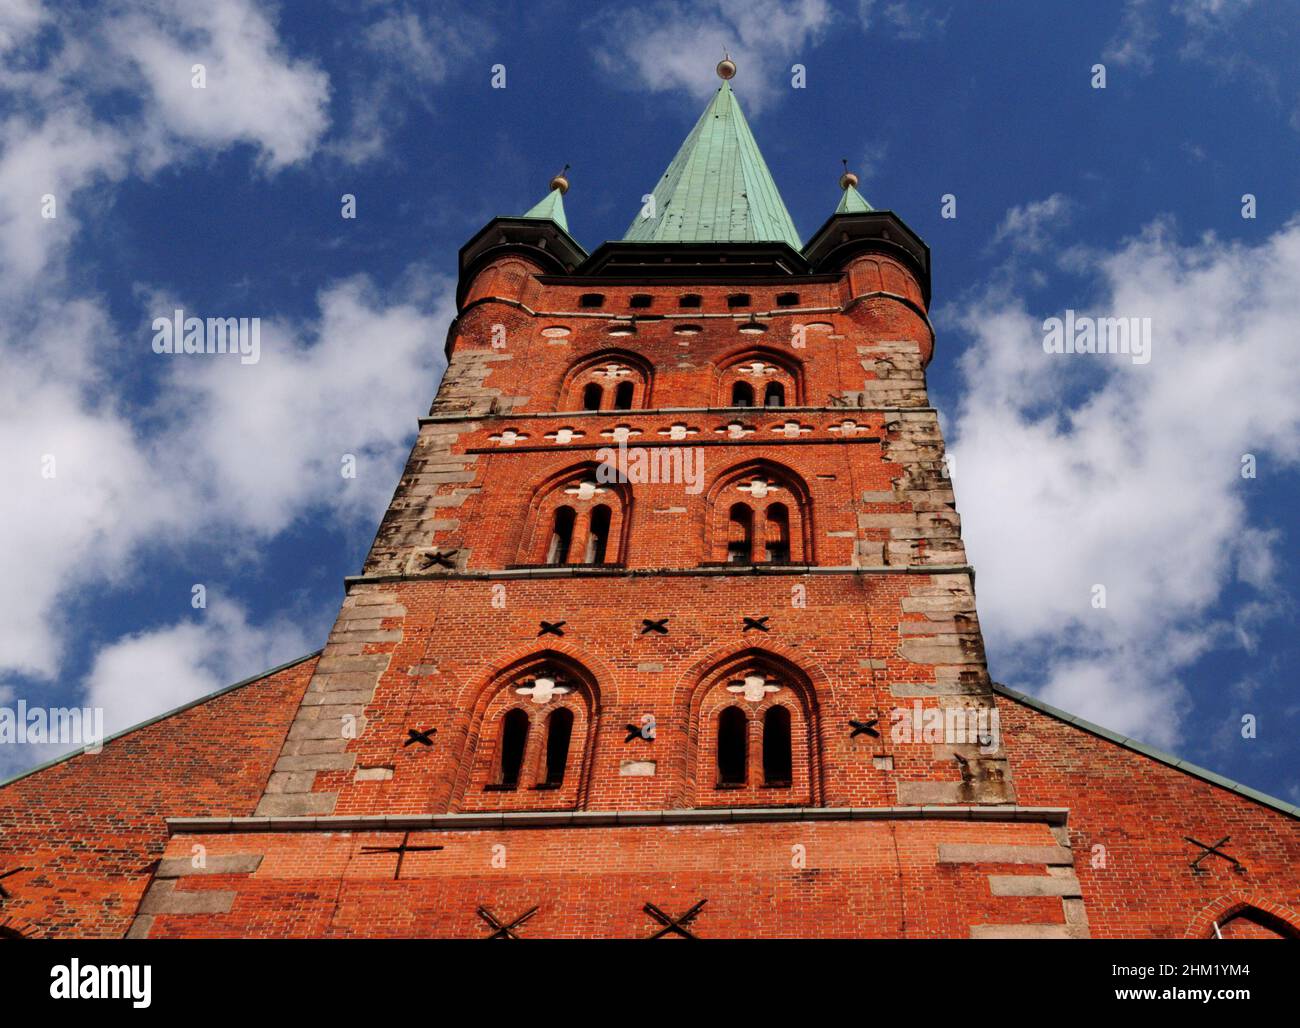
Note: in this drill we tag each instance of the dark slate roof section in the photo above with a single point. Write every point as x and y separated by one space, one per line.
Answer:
161 717
1149 751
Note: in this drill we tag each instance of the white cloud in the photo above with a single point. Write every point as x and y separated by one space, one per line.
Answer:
254 93
908 21
1135 38
674 45
1029 227
1075 471
18 20
142 675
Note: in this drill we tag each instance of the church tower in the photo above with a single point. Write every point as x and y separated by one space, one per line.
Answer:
668 631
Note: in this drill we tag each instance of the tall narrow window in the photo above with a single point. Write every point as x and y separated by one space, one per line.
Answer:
776 539
514 737
733 746
777 762
591 396
623 396
741 534
598 540
774 395
559 730
561 536
742 395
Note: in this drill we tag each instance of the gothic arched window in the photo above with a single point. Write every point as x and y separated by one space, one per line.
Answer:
774 395
742 394
623 396
740 538
592 394
733 747
760 373
514 740
598 537
760 512
620 377
777 757
559 732
561 536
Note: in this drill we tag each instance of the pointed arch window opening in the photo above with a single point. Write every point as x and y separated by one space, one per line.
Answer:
514 740
623 395
742 394
774 395
598 534
776 535
778 756
559 736
733 748
740 538
592 396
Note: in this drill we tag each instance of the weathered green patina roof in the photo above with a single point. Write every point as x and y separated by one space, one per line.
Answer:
717 188
550 206
852 202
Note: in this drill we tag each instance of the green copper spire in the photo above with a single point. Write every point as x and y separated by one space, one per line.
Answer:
852 202
717 188
551 206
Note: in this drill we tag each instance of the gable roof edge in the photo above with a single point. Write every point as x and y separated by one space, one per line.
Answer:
1195 770
163 716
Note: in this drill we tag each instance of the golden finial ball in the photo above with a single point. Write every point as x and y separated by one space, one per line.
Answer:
726 68
848 180
561 183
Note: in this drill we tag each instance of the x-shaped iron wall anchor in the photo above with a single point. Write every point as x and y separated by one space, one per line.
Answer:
442 558
1195 865
759 623
4 893
552 628
676 925
864 728
634 732
402 849
504 931
660 626
424 738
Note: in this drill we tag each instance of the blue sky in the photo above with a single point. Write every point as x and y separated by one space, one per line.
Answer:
1070 471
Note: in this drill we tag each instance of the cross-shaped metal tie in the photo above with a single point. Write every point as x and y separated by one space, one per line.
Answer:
675 925
1195 865
660 626
424 738
552 628
864 728
442 558
759 623
401 849
504 931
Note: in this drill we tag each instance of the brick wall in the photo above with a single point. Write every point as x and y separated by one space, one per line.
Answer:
90 829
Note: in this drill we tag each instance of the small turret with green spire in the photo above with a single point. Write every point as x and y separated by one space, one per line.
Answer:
852 202
551 206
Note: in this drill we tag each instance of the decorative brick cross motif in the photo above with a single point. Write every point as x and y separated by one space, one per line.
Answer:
586 490
424 738
792 429
612 371
543 689
754 686
564 435
864 728
758 368
620 433
508 438
848 427
735 430
678 431
759 487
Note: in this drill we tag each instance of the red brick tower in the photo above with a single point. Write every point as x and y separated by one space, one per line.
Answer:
669 629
